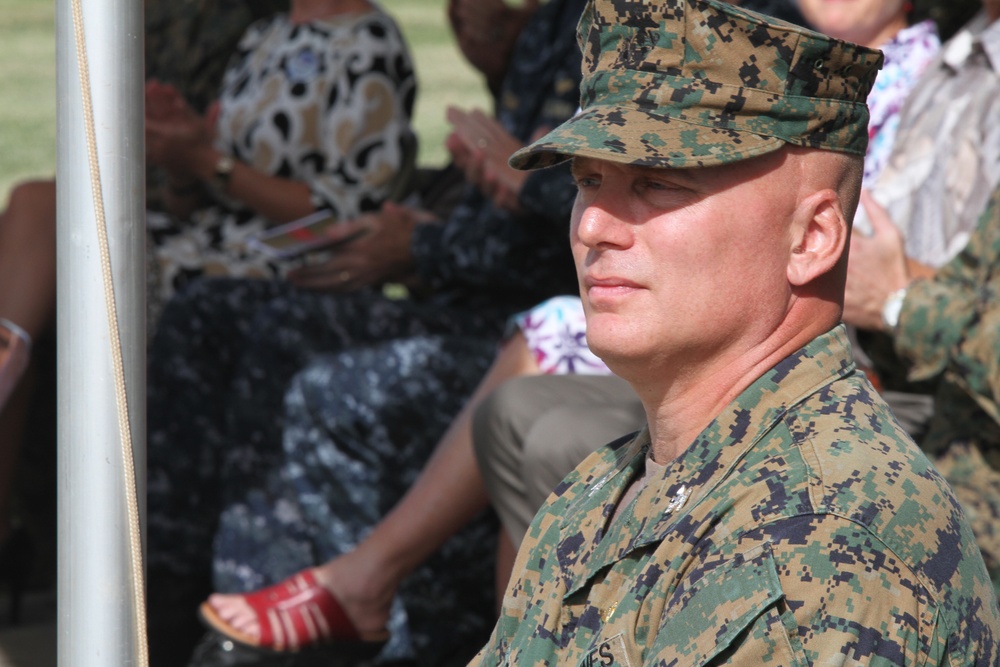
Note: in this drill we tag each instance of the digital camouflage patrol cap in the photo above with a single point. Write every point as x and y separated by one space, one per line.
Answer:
689 83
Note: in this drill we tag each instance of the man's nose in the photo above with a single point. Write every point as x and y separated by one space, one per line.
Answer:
600 225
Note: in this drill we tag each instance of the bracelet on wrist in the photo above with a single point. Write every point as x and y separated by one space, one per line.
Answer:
222 173
892 307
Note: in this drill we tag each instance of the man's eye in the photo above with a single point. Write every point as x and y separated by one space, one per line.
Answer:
650 184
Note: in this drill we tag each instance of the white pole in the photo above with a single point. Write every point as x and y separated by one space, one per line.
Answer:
97 615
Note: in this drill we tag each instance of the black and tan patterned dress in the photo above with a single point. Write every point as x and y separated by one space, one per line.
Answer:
327 103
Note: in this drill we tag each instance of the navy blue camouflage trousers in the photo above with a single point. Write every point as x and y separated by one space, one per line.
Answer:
359 427
220 363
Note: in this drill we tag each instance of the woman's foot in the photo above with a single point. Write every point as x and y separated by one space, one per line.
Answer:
348 607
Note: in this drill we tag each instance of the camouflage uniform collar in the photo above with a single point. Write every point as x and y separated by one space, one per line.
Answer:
667 500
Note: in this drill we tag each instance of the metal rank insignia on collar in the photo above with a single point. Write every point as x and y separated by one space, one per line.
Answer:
679 499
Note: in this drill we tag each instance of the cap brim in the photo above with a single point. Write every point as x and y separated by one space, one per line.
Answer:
639 138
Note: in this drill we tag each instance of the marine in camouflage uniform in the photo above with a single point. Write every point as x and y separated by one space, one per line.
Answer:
949 330
802 525
189 43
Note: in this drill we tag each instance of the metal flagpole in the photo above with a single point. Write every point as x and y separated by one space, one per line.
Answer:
100 176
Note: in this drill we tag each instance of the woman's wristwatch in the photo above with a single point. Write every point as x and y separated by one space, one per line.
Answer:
223 172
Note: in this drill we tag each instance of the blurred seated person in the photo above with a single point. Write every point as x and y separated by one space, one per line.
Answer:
327 130
388 523
943 165
945 157
486 32
908 50
187 43
226 349
944 327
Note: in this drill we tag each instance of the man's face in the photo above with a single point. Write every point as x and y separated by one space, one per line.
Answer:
681 266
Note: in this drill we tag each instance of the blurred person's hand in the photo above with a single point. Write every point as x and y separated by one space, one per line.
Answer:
480 146
162 100
175 132
379 255
877 267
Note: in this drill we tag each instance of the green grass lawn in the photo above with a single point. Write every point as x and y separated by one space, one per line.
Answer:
443 75
28 96
27 90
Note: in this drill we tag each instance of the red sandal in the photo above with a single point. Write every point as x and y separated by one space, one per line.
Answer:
293 615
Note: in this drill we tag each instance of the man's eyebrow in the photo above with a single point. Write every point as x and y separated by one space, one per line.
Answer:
579 164
682 176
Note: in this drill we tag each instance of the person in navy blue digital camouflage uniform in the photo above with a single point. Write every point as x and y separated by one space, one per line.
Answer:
225 350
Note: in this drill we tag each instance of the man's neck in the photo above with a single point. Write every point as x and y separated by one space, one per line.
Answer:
677 411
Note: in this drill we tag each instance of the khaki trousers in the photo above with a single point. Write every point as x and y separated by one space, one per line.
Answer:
532 431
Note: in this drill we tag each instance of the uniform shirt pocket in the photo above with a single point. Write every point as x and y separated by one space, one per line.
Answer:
729 611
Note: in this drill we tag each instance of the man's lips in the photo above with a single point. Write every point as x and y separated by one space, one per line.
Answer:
590 281
608 289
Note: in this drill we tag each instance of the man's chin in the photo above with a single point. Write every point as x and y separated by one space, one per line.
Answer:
615 348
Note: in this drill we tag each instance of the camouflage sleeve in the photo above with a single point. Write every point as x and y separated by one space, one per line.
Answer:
531 555
536 555
492 253
937 313
806 590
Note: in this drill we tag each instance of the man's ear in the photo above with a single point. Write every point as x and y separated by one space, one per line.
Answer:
819 237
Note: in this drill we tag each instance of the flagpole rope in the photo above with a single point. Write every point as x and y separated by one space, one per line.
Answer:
121 394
